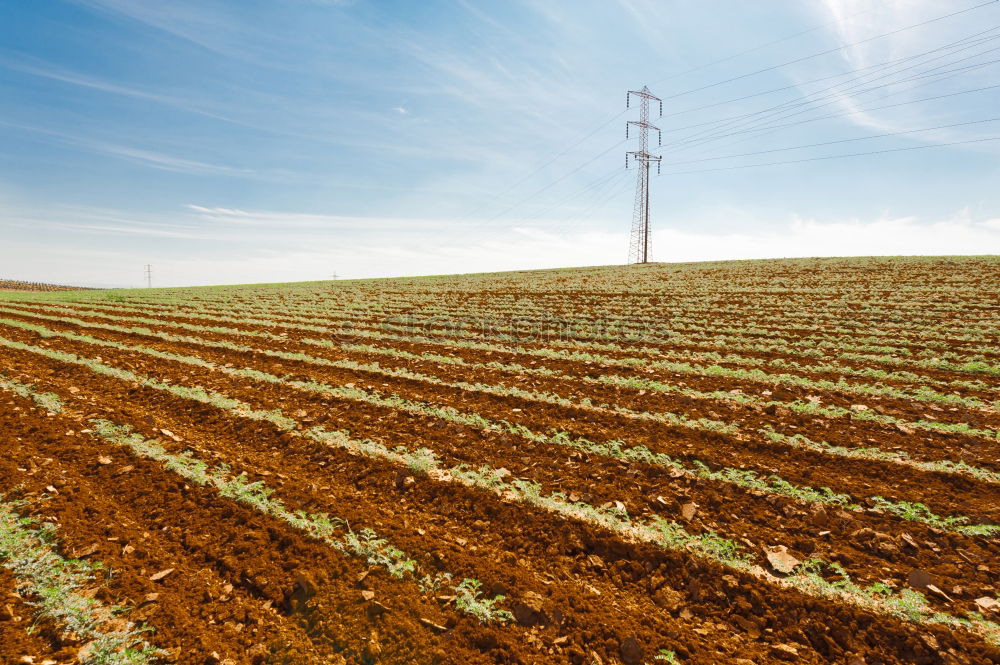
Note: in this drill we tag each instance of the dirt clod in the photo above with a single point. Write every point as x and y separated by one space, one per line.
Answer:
156 577
919 579
631 651
781 561
785 652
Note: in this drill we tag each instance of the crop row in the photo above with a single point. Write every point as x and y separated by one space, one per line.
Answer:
921 393
58 589
356 394
895 319
809 578
811 406
512 327
205 396
266 626
287 423
856 315
640 383
477 421
806 407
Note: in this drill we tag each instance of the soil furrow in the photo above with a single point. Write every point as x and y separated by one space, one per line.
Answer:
304 606
700 589
803 371
709 447
925 445
869 547
20 636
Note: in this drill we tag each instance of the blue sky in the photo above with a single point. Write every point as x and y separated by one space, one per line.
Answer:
277 140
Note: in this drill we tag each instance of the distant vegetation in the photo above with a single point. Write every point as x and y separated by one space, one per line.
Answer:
17 285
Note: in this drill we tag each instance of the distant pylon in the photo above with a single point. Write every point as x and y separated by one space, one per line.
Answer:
638 249
149 276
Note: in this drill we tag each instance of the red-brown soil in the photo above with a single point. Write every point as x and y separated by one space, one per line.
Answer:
248 588
15 285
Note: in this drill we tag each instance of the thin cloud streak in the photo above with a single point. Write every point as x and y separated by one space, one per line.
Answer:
137 155
852 23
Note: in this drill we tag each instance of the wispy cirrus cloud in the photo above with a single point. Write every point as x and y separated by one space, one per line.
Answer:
197 24
905 51
150 158
271 219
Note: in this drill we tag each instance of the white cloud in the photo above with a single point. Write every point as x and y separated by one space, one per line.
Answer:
278 247
535 248
886 236
223 212
400 110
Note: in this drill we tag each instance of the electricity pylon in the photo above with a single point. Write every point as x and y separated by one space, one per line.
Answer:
638 250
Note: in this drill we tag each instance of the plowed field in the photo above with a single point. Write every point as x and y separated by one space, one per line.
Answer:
14 285
792 461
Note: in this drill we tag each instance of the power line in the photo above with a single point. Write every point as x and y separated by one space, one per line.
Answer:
834 50
889 70
862 110
781 113
619 114
853 154
763 126
815 145
541 167
832 76
612 191
765 129
617 189
785 107
558 203
612 187
606 182
594 185
758 48
553 183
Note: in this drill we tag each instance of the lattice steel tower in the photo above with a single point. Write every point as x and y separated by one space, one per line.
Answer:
638 250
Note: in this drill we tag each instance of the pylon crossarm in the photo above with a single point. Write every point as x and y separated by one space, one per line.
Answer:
639 242
644 93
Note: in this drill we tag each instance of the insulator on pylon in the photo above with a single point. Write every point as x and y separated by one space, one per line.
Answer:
661 108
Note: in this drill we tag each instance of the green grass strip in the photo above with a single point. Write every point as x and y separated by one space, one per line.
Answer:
57 587
907 605
616 449
48 401
258 496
